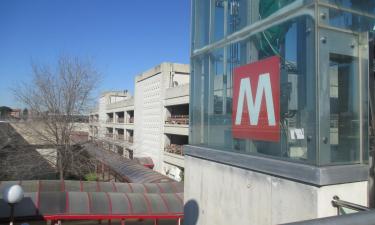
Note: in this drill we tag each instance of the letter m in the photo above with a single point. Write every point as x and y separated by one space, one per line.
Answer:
245 93
256 101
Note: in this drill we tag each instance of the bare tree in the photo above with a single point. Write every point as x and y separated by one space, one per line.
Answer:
55 98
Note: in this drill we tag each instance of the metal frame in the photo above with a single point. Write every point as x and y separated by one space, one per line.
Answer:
331 42
293 10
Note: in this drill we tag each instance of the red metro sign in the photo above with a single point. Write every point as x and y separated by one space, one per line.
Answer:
256 100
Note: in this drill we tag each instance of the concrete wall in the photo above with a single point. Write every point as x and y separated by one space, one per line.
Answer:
177 92
121 105
114 99
148 118
223 194
180 79
102 116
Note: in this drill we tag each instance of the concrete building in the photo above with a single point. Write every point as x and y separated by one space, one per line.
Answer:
15 113
161 95
113 122
152 124
279 102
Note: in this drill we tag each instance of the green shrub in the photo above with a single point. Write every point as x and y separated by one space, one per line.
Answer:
91 177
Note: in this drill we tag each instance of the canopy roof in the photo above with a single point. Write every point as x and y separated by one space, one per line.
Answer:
94 186
95 205
129 169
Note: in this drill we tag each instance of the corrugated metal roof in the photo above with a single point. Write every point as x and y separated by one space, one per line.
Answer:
130 170
94 186
94 205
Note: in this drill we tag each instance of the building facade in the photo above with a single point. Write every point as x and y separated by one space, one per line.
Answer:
112 122
279 109
158 135
151 124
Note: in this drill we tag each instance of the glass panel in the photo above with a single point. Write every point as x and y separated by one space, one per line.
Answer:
361 5
217 71
367 39
343 61
346 20
268 7
238 15
344 108
342 90
201 21
198 100
218 121
218 25
293 41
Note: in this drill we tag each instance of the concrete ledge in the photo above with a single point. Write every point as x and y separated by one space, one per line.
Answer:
174 159
176 92
176 129
317 176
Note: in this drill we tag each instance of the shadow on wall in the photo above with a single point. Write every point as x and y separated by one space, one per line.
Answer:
191 212
19 159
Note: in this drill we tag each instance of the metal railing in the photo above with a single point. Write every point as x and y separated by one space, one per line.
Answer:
131 120
120 120
110 120
360 218
340 205
364 215
109 135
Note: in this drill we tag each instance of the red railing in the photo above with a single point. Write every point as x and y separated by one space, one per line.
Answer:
100 217
178 119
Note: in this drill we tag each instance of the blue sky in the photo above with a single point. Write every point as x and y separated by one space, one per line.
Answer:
122 37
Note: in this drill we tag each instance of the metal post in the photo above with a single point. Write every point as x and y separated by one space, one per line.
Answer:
11 214
103 171
338 203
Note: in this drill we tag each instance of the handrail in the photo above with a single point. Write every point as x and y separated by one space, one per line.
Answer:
339 204
360 218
